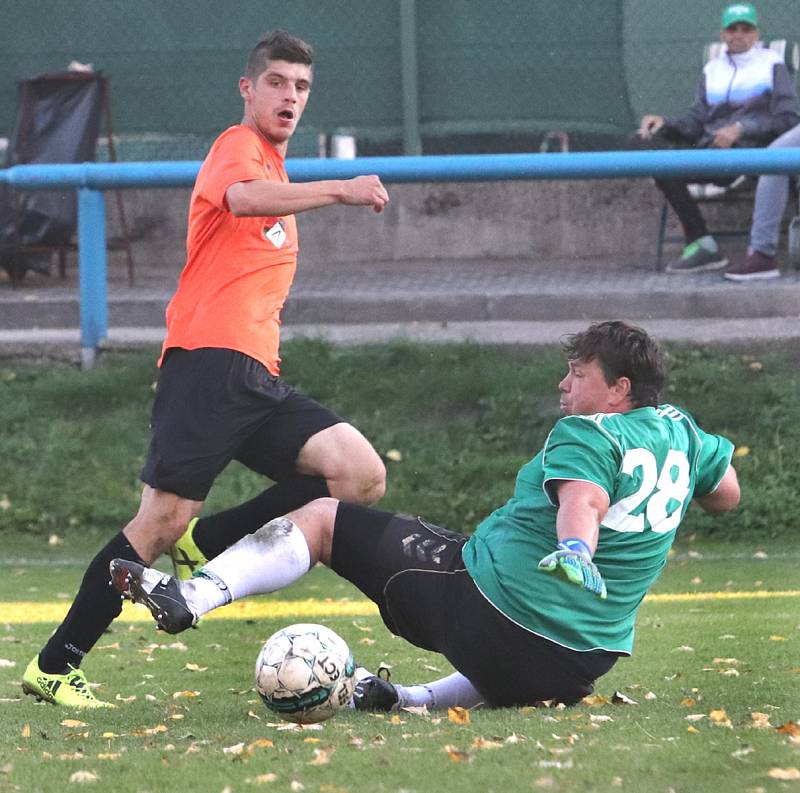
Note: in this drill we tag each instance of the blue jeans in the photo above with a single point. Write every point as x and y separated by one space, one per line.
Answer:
772 193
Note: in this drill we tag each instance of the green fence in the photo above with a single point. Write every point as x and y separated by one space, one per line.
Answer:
457 75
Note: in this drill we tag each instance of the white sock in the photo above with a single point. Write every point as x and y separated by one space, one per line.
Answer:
708 243
448 692
267 560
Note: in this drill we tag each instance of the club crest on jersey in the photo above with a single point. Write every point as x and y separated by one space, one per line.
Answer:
276 233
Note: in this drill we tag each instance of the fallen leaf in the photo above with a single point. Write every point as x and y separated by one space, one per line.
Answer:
790 728
483 743
457 755
120 698
777 638
366 640
295 785
692 729
650 696
620 699
109 756
596 719
595 700
73 723
395 719
5 663
54 539
458 715
236 749
684 648
83 776
26 731
688 702
786 774
720 718
417 710
743 752
695 717
760 720
182 694
741 451
261 743
195 668
395 455
322 756
261 779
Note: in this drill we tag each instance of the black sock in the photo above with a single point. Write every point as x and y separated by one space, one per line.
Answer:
214 534
95 607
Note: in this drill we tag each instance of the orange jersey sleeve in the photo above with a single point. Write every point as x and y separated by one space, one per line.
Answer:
238 270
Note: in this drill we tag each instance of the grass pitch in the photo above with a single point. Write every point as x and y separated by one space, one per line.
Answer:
715 678
716 670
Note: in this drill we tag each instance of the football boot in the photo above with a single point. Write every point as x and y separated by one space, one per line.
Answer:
70 689
186 556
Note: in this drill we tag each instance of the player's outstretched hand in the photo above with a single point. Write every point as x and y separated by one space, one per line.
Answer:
365 191
573 560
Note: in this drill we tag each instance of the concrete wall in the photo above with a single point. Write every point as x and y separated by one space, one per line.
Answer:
592 219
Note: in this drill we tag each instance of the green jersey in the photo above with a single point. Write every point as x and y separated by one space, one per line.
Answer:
651 462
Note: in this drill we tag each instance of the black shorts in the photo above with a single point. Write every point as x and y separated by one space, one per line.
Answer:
414 571
215 405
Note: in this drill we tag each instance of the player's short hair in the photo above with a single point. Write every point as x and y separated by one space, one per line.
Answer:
277 45
622 350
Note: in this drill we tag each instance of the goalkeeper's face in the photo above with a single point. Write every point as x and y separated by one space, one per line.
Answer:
584 391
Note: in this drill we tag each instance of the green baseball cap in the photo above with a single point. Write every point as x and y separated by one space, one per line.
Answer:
740 12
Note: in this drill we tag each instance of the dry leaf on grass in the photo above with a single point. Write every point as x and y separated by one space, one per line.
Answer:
786 774
5 663
185 694
261 779
720 718
195 668
620 699
760 721
73 723
457 755
322 756
83 777
595 700
483 743
790 728
458 715
26 731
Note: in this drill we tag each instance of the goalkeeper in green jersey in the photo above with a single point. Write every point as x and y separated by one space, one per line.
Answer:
541 600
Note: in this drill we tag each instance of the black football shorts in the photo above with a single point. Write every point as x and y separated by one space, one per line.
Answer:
413 570
215 405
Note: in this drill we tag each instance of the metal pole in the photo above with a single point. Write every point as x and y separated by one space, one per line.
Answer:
92 273
412 144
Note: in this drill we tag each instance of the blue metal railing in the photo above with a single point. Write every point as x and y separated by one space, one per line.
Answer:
90 179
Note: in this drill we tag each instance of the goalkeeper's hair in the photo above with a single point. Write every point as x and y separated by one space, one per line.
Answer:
621 350
277 45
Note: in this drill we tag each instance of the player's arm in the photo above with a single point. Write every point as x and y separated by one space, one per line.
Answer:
581 507
725 496
265 198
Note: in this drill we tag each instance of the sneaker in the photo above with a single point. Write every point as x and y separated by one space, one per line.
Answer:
753 266
374 693
697 259
161 593
186 556
70 689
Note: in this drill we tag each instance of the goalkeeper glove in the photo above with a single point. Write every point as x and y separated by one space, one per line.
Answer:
573 560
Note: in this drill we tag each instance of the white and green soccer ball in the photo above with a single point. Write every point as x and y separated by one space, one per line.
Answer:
305 673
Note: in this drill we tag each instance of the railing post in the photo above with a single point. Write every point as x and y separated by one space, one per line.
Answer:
92 273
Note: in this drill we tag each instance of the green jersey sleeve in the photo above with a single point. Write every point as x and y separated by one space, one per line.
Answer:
579 448
715 457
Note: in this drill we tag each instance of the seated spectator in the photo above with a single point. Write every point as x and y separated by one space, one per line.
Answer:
745 98
772 193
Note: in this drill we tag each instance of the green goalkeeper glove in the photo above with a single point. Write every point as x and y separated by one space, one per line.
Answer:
573 560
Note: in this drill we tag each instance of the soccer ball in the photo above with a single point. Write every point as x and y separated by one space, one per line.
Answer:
305 673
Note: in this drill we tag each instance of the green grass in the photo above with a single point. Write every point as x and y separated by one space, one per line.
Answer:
464 418
640 747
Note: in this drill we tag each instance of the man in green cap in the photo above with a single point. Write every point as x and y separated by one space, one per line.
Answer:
745 98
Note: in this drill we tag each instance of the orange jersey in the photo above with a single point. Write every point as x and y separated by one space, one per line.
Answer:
238 269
